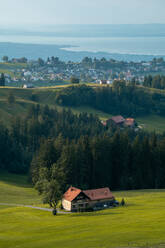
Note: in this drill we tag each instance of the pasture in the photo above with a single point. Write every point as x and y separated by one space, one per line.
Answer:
139 224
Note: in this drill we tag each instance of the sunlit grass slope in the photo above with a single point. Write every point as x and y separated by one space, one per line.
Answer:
140 223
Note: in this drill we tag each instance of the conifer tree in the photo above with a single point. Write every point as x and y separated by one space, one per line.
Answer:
2 80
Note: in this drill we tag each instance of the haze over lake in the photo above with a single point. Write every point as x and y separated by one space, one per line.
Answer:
113 39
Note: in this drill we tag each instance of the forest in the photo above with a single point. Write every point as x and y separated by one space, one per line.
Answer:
122 98
78 150
157 82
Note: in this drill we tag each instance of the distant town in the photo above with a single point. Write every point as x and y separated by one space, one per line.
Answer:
53 70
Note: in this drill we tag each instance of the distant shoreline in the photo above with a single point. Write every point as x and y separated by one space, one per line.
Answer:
34 51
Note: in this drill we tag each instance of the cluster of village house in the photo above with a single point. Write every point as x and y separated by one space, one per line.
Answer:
75 200
61 71
53 75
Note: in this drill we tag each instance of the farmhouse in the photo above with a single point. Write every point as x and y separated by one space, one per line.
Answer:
103 82
80 200
28 86
120 121
116 120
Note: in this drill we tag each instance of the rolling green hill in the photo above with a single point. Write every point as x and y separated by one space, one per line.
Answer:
139 224
24 98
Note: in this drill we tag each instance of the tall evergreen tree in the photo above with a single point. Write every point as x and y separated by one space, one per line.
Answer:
2 80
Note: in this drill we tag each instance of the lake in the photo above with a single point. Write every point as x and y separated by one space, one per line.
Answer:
139 40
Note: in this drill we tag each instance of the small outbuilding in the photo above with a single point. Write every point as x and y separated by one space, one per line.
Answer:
130 122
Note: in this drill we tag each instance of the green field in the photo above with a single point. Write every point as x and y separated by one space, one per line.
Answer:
152 123
139 224
11 66
16 189
24 99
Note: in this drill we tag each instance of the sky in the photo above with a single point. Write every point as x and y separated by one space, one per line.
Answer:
30 13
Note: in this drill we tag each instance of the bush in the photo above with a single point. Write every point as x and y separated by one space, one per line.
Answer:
61 207
74 80
54 212
123 202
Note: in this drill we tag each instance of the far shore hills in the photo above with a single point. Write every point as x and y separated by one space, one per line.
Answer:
34 51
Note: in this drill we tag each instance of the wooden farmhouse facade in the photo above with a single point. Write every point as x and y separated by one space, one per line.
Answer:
75 200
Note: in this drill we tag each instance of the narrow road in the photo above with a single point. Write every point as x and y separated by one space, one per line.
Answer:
30 206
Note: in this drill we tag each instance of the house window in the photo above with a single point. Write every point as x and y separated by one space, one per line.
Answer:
73 206
81 205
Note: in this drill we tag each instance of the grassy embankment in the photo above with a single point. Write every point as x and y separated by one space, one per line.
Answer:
140 223
46 95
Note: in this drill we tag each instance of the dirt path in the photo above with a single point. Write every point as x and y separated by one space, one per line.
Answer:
30 206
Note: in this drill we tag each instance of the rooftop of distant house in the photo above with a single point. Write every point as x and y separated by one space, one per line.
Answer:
118 119
129 122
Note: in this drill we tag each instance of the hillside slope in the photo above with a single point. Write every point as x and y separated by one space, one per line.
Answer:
24 98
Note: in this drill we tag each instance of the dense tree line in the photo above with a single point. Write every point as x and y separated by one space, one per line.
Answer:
157 81
22 140
121 98
121 161
102 64
13 157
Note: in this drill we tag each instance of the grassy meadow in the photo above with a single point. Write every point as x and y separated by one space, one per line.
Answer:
152 123
139 224
15 189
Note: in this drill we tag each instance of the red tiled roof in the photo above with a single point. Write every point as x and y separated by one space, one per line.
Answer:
99 194
129 122
93 194
118 119
71 193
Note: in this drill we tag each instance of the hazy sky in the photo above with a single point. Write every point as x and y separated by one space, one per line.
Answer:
50 12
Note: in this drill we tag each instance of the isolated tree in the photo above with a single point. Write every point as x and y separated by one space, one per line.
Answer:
5 59
2 80
74 80
23 60
51 185
52 193
40 62
48 60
